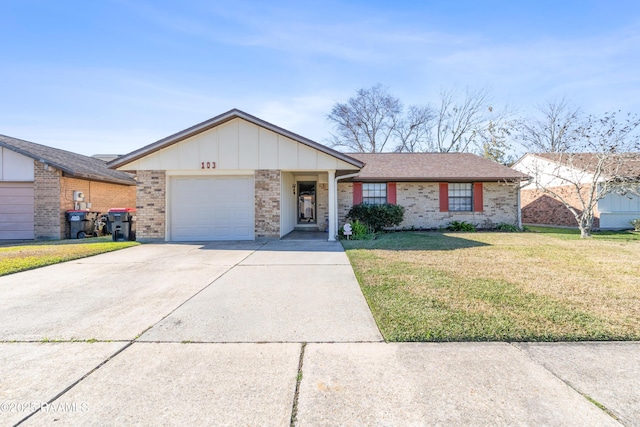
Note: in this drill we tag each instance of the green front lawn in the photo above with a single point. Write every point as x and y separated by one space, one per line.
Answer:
543 285
38 254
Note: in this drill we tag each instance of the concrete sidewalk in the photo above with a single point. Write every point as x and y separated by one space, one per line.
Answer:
356 384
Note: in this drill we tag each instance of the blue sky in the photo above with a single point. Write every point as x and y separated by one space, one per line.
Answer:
110 76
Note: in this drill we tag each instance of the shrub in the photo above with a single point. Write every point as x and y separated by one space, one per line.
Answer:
636 224
461 226
376 217
359 231
506 227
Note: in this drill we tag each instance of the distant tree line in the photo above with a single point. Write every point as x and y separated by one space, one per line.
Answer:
373 121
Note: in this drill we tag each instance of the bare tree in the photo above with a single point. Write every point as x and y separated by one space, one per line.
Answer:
595 160
367 121
373 120
553 129
460 120
414 130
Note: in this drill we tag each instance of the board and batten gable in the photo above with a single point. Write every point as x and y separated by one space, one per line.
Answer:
237 145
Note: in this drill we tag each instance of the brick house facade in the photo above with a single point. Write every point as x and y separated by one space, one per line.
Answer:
237 177
421 201
54 175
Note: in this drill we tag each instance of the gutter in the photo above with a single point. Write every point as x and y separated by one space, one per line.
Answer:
519 211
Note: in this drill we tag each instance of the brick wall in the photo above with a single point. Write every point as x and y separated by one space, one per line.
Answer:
421 201
422 204
46 185
345 201
543 209
322 203
150 205
102 196
267 214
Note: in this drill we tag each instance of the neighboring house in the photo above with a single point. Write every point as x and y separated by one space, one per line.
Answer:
237 177
561 174
37 185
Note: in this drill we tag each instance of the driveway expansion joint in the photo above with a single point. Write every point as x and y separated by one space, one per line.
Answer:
296 394
76 382
228 269
547 368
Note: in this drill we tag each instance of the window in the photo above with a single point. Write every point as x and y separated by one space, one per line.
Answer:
374 193
460 197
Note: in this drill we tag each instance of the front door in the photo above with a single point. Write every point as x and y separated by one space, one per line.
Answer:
306 202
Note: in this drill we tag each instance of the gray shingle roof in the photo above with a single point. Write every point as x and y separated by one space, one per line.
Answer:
432 167
72 164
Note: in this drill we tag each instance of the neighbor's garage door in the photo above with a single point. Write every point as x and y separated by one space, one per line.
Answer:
16 210
212 208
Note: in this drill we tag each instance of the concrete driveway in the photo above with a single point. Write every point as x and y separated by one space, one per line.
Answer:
216 292
269 334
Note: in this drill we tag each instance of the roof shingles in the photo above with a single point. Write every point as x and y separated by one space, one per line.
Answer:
432 167
72 164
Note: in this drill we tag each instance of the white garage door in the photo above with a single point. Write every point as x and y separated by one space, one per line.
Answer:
212 208
16 210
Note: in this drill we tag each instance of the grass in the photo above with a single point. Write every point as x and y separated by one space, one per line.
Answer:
542 285
38 254
574 233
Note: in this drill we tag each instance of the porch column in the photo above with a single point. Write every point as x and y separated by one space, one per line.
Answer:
333 205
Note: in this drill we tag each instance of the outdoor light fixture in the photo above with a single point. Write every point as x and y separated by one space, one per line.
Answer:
293 187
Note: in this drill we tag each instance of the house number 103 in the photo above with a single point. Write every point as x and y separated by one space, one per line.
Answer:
208 165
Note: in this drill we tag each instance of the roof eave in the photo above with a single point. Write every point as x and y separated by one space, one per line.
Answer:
103 179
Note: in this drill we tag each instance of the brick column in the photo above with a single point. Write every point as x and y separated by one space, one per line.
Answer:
48 217
267 213
151 201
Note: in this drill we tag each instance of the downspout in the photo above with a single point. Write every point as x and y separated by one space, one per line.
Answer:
520 186
519 211
335 202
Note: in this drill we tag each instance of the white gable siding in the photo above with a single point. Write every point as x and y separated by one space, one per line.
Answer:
546 173
14 166
238 145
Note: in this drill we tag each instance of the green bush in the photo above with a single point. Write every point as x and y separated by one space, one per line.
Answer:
636 224
461 226
506 227
359 231
377 217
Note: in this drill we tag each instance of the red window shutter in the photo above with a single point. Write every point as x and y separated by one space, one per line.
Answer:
357 193
391 193
477 197
444 197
